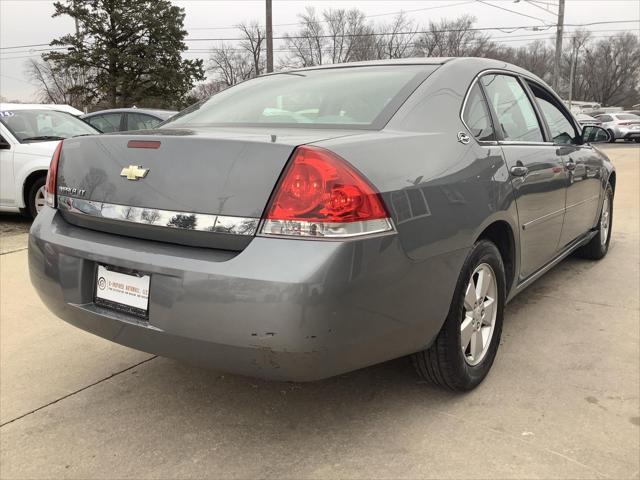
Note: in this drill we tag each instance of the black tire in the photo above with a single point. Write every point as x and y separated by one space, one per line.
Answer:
443 363
637 140
597 248
612 137
31 196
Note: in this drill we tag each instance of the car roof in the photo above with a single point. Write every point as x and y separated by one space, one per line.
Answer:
158 112
40 106
378 63
475 64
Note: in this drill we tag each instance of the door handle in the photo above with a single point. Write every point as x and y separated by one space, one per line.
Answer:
519 171
571 165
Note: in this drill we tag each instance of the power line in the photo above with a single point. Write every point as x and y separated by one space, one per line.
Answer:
533 4
366 16
502 40
512 11
417 32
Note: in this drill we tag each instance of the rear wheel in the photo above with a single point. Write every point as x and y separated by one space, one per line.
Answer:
598 247
464 350
637 140
35 197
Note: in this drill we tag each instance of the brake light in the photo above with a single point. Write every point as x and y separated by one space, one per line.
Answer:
629 123
321 195
52 177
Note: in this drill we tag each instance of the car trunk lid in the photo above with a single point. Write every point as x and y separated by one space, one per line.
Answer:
201 187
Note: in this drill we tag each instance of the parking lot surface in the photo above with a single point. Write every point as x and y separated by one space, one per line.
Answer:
562 400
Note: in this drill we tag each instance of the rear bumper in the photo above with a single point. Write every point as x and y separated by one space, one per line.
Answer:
281 309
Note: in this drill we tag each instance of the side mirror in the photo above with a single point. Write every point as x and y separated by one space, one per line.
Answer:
594 134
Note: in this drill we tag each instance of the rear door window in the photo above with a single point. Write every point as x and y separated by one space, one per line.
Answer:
108 122
476 116
141 121
516 116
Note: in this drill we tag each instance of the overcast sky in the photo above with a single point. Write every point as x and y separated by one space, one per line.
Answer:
27 22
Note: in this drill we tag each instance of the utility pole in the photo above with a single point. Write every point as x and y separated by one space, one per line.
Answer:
82 73
574 57
558 56
269 31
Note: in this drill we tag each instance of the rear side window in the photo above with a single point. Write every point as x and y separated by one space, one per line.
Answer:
364 97
476 115
604 118
561 129
140 121
516 116
109 122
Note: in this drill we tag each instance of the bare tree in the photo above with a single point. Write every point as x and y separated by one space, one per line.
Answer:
254 37
349 36
454 38
612 70
396 39
205 90
230 65
308 43
57 84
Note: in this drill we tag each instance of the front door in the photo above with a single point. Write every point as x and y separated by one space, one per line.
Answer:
7 183
537 171
582 165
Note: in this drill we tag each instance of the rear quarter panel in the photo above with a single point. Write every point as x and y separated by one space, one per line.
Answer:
441 194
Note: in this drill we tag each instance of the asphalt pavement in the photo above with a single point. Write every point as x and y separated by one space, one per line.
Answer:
562 400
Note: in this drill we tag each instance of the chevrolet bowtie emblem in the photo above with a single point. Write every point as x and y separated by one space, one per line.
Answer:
134 172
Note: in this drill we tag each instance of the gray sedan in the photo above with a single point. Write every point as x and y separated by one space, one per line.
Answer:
308 223
625 126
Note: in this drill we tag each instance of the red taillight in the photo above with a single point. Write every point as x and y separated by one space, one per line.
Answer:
629 123
52 177
320 194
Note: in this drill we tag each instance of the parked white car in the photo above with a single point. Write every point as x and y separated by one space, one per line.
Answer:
29 134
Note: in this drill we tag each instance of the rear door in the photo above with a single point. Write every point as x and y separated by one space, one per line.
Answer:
582 164
536 168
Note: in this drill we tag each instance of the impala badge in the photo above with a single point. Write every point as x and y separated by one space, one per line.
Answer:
134 172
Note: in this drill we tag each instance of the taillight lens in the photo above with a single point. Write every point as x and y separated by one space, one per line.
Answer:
321 195
52 177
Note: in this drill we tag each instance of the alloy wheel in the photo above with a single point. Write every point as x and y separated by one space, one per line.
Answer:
605 220
480 310
40 199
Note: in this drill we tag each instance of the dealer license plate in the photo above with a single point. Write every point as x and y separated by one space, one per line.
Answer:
128 292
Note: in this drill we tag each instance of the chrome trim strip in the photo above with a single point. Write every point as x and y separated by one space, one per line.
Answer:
541 219
325 231
501 71
202 222
582 202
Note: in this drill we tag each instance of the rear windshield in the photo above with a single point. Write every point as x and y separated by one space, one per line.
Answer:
355 97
